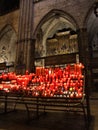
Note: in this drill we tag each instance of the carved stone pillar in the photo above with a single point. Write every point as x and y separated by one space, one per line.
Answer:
84 53
85 59
25 43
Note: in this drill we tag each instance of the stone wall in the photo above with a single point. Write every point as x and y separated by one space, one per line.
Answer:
8 37
77 9
10 19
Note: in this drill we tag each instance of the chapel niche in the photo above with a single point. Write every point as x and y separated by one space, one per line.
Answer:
8 47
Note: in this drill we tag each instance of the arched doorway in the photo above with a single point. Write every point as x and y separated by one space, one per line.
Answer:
92 29
8 46
55 35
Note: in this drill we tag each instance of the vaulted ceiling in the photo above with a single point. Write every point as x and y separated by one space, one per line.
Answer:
7 6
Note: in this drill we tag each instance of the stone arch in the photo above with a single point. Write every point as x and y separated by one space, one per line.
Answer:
91 23
8 40
55 13
52 22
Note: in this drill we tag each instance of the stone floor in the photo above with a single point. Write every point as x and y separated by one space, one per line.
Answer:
50 121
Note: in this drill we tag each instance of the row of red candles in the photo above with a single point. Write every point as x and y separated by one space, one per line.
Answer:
68 81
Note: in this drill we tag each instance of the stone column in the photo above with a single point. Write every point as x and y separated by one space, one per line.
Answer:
25 43
85 59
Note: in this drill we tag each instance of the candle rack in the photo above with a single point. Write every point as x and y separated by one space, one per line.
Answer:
62 87
67 82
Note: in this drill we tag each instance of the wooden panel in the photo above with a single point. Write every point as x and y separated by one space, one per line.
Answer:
60 59
2 66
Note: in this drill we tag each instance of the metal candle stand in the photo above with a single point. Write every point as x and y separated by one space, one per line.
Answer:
49 89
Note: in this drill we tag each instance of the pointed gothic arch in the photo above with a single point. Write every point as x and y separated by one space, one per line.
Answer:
50 24
8 40
54 14
91 23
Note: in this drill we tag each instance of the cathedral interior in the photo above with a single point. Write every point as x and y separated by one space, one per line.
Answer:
46 29
45 33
